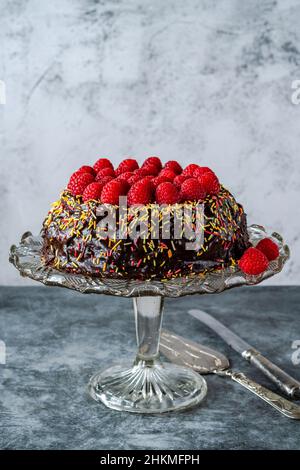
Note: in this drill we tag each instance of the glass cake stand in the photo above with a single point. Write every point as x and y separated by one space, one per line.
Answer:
147 385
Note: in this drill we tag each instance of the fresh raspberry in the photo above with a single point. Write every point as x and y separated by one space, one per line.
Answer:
86 169
105 180
201 170
209 183
105 172
125 187
148 170
138 174
102 163
253 262
189 170
127 165
191 190
169 174
92 191
78 182
173 166
134 179
268 248
179 180
112 191
125 176
151 169
167 193
153 161
148 178
76 173
140 193
158 180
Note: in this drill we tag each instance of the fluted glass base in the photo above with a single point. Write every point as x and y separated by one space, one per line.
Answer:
148 387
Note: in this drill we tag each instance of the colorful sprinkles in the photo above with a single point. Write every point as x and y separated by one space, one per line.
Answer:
73 240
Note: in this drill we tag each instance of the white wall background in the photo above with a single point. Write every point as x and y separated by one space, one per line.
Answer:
202 81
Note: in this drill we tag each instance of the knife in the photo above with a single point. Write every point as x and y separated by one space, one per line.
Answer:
284 381
205 360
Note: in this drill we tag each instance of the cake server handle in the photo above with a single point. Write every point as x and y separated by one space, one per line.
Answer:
284 406
284 381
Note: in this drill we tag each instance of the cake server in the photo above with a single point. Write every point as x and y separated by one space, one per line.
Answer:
284 381
208 361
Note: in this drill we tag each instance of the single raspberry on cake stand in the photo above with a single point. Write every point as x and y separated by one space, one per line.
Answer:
148 385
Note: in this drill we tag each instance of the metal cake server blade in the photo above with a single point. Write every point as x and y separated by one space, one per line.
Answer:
286 383
208 361
188 353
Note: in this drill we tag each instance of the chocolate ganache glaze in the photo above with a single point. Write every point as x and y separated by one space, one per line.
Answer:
73 241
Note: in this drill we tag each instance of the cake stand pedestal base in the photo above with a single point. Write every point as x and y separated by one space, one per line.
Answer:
149 385
158 388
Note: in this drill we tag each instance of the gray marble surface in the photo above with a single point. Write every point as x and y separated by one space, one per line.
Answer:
55 339
201 80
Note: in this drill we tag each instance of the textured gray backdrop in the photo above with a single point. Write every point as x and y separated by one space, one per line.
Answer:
200 80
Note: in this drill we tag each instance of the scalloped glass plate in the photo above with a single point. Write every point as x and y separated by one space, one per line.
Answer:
26 257
149 385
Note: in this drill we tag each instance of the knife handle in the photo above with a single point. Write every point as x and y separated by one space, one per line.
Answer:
284 381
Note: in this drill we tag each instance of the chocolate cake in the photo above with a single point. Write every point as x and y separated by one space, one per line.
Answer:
87 232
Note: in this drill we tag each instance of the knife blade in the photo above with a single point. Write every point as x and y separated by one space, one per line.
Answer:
284 381
237 343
